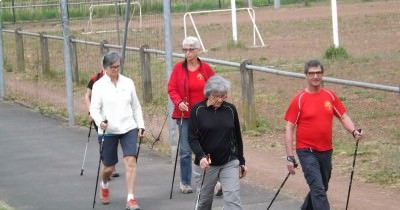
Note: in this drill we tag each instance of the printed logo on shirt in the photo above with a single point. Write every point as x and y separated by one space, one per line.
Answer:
199 76
328 105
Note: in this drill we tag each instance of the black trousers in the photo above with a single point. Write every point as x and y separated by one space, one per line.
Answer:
317 168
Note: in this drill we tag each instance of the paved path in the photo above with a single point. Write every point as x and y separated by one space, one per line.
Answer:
40 162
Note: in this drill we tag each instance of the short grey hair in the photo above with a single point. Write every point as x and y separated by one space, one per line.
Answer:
110 58
191 41
216 84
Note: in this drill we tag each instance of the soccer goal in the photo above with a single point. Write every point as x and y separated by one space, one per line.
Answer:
90 29
250 11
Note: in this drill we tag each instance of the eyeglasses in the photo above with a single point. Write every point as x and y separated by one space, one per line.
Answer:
223 97
312 74
188 49
114 67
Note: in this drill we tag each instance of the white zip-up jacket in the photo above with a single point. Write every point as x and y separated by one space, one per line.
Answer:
118 104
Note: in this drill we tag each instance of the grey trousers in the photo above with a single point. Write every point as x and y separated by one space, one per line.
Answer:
228 176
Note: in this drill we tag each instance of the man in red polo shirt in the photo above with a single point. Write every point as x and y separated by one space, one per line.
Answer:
311 114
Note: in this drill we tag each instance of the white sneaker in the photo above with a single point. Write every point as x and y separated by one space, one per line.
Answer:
218 189
185 189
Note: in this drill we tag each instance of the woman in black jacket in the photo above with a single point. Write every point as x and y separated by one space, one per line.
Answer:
214 131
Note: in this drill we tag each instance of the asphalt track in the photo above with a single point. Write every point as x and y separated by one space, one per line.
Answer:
41 158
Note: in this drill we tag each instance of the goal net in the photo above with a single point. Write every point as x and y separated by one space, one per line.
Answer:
100 15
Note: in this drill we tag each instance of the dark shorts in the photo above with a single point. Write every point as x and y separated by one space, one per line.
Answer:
110 146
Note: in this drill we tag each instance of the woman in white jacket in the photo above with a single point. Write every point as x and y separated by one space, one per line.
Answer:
115 108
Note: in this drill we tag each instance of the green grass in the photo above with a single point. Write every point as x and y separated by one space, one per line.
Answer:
235 45
52 12
7 66
336 53
386 169
262 126
376 160
4 206
219 69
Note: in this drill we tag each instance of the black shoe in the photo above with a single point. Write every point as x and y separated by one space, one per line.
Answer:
115 174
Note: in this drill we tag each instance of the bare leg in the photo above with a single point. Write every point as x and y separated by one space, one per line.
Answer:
106 173
130 167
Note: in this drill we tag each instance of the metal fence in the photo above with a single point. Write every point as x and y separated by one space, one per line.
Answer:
32 68
25 45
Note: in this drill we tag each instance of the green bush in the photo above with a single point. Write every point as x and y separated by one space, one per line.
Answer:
4 206
336 53
7 66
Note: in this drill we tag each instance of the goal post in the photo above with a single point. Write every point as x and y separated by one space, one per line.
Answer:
252 15
89 27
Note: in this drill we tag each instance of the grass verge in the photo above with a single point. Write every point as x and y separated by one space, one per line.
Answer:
4 206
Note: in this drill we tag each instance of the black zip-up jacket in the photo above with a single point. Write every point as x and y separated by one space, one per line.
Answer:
215 132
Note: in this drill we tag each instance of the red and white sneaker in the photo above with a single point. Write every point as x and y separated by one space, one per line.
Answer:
132 205
105 196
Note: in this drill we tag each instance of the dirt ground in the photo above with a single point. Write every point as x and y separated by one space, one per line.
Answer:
267 167
300 32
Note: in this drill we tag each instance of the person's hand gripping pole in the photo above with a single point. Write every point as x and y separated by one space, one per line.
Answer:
291 164
357 134
204 164
141 135
183 106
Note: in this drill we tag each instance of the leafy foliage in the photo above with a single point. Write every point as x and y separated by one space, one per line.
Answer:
336 53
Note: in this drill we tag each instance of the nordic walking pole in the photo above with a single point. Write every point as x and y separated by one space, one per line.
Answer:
352 170
140 142
277 192
98 169
84 154
201 185
176 156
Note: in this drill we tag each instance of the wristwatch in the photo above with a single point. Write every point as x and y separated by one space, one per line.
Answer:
291 159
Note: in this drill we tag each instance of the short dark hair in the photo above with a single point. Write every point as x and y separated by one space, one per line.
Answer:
110 58
313 63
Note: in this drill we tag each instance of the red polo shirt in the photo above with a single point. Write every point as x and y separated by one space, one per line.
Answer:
313 114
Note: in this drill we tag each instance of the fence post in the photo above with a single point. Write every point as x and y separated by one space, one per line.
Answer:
168 68
19 51
248 105
13 11
103 49
146 74
67 61
2 69
44 53
74 60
